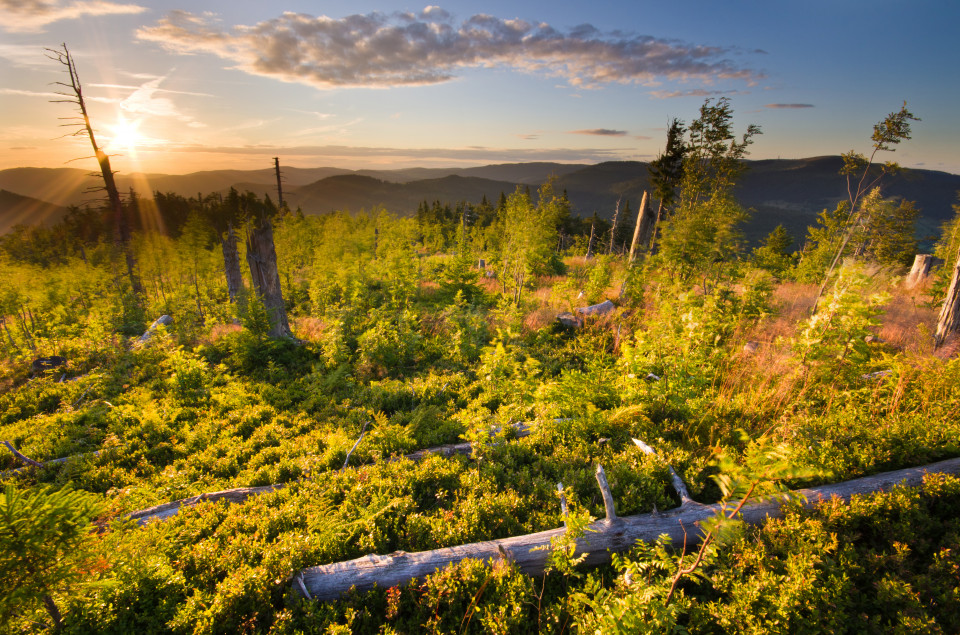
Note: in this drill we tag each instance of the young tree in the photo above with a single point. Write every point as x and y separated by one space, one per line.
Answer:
530 235
701 233
886 234
774 255
888 133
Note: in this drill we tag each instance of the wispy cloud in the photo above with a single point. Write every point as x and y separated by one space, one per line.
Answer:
32 16
147 100
158 90
28 56
601 132
379 50
696 92
30 93
788 106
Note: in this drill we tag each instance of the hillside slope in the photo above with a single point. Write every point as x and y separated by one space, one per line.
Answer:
23 210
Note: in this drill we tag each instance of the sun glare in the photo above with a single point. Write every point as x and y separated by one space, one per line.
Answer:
126 134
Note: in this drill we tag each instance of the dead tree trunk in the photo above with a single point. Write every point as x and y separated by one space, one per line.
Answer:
276 167
231 263
641 232
613 229
530 552
593 227
262 258
949 320
121 223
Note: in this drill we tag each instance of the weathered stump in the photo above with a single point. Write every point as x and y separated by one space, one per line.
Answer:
949 320
923 264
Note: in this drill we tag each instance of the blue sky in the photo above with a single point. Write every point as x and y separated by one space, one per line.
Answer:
176 87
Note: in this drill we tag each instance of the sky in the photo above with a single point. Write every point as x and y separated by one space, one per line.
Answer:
176 87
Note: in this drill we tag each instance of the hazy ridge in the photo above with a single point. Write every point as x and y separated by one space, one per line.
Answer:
787 191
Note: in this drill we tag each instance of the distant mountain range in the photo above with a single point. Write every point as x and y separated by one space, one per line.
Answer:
788 192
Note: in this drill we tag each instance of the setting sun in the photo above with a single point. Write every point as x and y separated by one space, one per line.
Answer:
126 134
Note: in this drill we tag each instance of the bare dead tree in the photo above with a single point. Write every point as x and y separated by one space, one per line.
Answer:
276 167
74 95
613 229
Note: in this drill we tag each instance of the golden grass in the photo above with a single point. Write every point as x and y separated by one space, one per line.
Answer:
308 328
220 330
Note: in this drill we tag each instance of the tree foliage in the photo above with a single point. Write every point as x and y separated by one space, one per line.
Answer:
46 546
701 235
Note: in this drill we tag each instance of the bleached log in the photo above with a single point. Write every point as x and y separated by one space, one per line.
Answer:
31 463
22 457
452 449
240 494
603 308
163 320
168 510
530 552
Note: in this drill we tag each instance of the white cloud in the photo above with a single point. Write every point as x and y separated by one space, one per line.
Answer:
31 16
146 101
379 50
24 55
31 93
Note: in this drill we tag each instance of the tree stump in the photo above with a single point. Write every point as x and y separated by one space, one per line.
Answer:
922 265
949 320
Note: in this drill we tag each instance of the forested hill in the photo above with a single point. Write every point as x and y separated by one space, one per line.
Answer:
788 192
16 209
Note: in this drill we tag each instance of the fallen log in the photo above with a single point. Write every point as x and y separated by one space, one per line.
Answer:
22 457
603 308
530 552
168 510
240 494
163 320
30 463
